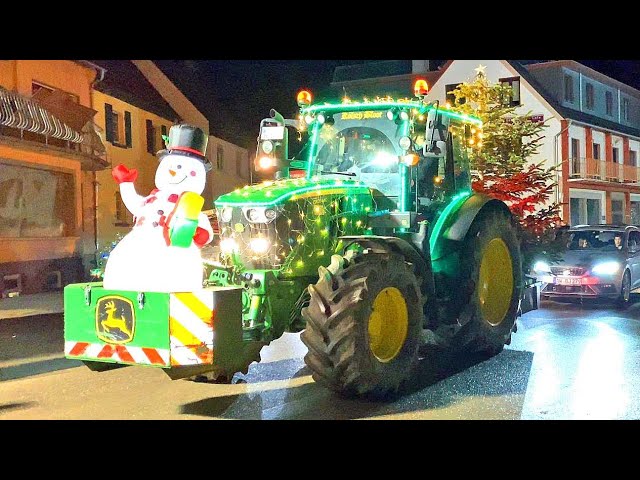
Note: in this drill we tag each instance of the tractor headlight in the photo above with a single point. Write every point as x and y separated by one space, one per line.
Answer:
259 245
270 214
228 245
405 143
253 214
225 214
606 268
260 214
541 267
267 146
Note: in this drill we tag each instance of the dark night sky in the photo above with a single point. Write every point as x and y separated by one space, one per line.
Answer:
236 94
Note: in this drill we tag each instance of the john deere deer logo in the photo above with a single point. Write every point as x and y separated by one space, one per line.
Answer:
115 319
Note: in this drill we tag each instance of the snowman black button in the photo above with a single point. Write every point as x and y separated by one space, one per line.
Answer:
160 212
155 224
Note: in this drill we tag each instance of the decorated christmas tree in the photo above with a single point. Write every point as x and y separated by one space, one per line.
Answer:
502 163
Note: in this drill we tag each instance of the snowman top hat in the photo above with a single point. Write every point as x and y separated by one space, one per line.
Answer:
185 139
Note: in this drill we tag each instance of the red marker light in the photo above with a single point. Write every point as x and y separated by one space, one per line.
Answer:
420 88
304 98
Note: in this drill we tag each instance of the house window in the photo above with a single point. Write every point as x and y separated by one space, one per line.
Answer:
36 203
117 126
589 99
123 218
625 109
596 151
616 155
450 97
575 156
633 158
514 83
220 157
151 138
609 103
239 164
568 88
617 211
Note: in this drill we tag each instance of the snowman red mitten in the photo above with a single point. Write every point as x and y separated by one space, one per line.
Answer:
201 238
122 174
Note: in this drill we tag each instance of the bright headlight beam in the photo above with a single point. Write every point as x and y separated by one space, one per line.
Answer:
384 159
541 267
606 268
259 245
228 245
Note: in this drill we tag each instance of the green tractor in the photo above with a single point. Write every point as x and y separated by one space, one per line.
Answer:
370 241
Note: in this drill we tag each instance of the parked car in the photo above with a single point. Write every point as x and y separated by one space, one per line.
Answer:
599 261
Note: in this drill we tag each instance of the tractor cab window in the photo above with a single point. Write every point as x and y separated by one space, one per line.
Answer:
365 153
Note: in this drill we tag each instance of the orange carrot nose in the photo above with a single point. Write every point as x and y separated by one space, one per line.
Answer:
172 173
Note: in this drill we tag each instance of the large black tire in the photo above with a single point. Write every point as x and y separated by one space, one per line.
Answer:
489 317
340 353
624 300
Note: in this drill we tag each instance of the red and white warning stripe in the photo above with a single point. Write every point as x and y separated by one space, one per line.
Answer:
120 353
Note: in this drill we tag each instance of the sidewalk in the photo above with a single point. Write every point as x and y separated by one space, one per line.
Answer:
29 305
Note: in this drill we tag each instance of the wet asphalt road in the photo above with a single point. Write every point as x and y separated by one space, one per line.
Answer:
567 361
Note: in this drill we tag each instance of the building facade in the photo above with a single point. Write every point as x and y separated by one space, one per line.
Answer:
592 135
49 156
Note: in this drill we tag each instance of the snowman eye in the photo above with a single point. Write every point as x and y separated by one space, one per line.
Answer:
179 167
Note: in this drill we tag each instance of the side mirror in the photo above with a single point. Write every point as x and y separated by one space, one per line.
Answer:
434 149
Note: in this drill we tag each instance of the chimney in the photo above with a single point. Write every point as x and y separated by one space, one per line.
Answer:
419 66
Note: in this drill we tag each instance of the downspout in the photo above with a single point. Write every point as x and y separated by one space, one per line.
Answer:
555 155
97 80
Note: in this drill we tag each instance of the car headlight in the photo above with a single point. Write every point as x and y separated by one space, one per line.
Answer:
228 245
225 214
606 268
542 267
259 244
270 214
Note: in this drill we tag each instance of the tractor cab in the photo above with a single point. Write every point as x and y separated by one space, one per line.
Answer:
413 155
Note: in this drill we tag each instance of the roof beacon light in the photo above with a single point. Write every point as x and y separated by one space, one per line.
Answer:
420 88
304 98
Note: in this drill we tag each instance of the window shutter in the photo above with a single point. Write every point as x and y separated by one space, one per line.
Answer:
108 121
127 128
151 144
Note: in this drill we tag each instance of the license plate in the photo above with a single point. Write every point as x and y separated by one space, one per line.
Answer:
568 281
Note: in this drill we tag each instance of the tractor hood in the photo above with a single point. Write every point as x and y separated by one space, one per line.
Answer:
270 193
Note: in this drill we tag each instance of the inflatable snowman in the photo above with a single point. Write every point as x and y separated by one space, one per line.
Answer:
162 251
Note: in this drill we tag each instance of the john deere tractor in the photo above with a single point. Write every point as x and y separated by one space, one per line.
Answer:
370 240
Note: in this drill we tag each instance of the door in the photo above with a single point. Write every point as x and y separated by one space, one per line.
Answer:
634 257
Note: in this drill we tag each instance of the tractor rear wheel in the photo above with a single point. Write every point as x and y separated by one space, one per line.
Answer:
363 324
493 267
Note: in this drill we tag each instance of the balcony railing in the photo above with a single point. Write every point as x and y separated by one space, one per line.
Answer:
592 169
24 119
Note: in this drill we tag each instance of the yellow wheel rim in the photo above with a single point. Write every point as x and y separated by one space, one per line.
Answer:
495 282
388 324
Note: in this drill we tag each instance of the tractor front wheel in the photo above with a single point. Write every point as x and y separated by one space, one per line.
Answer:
493 267
363 324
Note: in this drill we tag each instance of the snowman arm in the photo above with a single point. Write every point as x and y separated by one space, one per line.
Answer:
204 232
131 199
